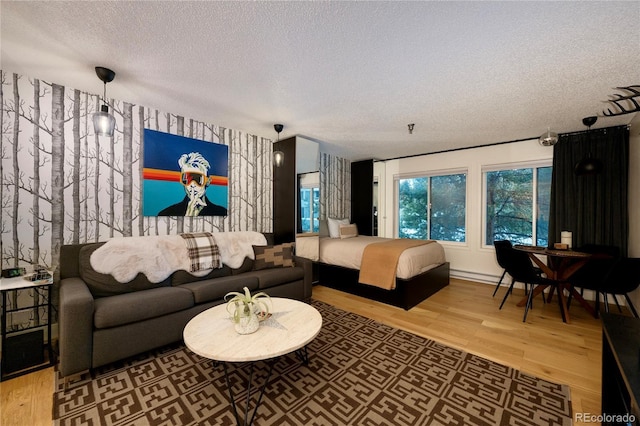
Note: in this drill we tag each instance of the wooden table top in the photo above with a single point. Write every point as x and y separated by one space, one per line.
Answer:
551 252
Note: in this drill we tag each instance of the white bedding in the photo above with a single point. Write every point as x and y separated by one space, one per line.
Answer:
348 253
307 245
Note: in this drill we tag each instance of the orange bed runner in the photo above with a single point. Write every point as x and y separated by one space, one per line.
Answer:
380 261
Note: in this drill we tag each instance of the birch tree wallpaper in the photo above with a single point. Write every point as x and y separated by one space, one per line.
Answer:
62 184
335 187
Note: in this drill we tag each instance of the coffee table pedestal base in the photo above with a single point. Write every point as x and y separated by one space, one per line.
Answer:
302 355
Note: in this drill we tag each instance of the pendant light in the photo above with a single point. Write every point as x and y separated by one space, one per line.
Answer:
588 165
104 123
549 138
278 156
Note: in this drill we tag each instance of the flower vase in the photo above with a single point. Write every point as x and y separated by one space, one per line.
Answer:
247 323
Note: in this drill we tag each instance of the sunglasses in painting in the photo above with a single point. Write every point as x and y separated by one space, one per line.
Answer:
188 177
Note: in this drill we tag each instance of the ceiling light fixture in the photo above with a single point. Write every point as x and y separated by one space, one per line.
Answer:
588 165
549 138
104 123
278 156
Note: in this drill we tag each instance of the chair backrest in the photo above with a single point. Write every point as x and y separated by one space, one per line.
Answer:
600 249
593 275
623 277
519 266
502 249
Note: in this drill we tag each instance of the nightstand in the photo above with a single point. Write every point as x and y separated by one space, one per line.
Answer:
23 347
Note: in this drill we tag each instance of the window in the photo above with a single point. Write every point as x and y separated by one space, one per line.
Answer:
432 207
310 209
517 205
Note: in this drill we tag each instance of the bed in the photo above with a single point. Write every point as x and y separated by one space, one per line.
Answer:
421 270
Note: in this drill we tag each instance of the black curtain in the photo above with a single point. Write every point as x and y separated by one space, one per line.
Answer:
593 207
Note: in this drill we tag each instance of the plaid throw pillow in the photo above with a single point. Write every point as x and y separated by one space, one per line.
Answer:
266 257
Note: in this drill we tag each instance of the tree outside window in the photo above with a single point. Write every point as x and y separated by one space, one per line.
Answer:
544 200
432 207
511 208
310 209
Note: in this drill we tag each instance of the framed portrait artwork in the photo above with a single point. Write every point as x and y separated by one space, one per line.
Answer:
184 176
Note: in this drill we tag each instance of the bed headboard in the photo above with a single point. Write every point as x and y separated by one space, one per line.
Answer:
324 228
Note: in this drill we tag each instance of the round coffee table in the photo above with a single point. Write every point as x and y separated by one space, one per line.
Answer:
291 326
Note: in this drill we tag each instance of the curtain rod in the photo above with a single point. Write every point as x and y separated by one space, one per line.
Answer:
458 149
497 143
601 129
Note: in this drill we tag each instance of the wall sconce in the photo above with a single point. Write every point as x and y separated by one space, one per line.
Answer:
278 156
410 126
104 123
549 138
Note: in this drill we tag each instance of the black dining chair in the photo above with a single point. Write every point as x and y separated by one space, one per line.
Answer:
621 278
501 247
593 274
518 265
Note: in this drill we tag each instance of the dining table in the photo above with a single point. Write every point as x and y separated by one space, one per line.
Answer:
560 265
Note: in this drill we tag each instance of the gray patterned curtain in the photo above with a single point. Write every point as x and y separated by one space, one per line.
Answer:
335 187
593 207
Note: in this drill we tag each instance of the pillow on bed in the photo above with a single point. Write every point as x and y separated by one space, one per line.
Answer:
348 231
266 257
334 226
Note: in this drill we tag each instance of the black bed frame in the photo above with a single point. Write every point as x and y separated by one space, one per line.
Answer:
406 295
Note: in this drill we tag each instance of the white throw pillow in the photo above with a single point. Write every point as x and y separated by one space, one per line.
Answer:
334 226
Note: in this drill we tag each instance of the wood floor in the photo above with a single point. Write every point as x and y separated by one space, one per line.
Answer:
462 315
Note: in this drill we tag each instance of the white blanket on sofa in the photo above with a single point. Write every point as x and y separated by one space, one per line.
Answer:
235 246
159 256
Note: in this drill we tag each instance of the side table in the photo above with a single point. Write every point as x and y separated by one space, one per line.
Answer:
19 356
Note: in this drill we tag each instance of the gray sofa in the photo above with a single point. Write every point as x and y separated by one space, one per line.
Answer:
102 321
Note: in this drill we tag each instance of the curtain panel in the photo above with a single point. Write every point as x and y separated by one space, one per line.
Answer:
593 207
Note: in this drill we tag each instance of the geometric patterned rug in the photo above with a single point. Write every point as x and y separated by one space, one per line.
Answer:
360 372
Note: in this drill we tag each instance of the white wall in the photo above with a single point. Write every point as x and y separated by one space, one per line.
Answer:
471 260
307 155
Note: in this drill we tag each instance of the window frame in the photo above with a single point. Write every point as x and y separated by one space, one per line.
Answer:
429 175
311 187
512 166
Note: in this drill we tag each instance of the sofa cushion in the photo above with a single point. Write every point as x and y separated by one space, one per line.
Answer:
183 277
104 284
267 257
127 308
276 276
216 289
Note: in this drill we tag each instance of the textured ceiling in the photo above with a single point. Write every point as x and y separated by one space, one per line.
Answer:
349 74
